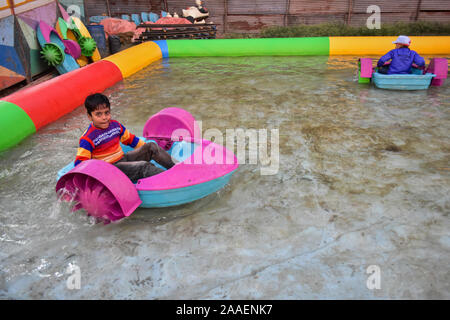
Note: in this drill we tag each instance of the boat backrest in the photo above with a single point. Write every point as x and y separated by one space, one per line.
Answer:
171 124
438 66
366 67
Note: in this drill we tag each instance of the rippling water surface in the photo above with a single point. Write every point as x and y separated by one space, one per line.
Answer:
363 180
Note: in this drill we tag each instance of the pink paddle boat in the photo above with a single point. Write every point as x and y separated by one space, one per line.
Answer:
107 193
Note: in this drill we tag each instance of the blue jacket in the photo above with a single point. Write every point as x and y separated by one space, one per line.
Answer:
402 60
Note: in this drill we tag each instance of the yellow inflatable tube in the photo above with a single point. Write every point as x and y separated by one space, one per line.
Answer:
358 46
135 58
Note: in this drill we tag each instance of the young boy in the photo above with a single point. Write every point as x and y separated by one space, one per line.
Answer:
101 141
402 58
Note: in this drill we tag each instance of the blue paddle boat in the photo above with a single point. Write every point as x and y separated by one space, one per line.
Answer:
418 79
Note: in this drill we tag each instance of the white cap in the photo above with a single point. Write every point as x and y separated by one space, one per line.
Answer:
403 40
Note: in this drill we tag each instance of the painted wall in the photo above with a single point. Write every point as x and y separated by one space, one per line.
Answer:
19 49
28 22
12 70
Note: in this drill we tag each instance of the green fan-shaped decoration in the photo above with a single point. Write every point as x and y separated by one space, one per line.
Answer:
87 46
53 54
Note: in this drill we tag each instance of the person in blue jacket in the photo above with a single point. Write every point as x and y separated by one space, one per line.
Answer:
402 58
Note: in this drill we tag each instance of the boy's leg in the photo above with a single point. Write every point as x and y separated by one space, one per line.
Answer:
136 170
150 151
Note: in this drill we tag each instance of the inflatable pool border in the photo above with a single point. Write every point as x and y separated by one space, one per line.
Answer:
26 111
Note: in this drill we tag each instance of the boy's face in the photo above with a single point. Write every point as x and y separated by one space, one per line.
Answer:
101 116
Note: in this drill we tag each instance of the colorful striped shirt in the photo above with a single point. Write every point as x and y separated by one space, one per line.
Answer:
103 144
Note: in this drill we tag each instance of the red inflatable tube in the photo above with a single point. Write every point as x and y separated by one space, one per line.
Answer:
48 101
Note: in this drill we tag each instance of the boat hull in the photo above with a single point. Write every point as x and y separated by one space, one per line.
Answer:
178 196
402 81
171 196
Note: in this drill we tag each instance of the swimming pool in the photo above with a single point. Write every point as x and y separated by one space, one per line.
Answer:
363 180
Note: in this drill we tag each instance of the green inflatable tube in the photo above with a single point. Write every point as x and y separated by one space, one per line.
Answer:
316 46
15 123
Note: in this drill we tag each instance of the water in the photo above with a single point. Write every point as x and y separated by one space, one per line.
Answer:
363 180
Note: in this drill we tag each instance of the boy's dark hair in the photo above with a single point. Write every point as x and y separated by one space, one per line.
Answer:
93 101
